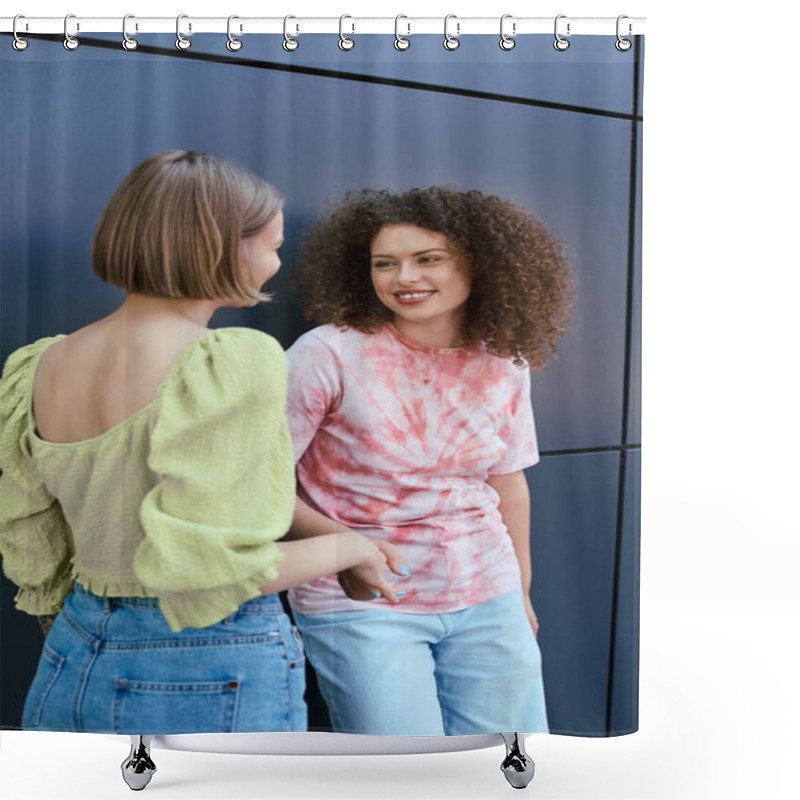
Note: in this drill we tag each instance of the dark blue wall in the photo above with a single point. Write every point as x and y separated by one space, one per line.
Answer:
555 132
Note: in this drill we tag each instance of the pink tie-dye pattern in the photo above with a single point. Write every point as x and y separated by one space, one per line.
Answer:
397 440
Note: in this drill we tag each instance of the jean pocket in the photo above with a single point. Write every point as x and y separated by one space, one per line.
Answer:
162 707
50 666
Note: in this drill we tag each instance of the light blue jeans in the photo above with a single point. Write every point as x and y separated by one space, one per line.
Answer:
394 674
113 665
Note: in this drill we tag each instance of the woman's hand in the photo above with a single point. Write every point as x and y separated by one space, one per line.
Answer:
367 580
531 615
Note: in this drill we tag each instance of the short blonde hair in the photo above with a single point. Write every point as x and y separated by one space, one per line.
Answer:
174 225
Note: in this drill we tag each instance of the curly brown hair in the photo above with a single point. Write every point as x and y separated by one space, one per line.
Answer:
522 288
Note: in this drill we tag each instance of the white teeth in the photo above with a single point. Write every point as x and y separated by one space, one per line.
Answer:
411 295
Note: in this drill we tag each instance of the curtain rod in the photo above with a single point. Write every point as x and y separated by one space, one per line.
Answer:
349 25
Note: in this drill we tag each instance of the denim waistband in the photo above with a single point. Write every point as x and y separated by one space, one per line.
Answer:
265 604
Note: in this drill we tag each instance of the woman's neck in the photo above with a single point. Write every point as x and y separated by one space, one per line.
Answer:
140 307
432 333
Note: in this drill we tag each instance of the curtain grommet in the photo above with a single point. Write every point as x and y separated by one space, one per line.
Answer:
451 42
70 42
345 43
623 45
182 43
507 42
290 44
401 42
129 43
18 43
233 44
561 43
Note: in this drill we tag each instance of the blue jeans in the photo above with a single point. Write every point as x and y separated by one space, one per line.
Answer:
112 665
393 674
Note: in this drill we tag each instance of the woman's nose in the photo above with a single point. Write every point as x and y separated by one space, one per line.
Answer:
408 272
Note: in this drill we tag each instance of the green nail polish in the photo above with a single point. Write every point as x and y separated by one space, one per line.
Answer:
375 594
403 570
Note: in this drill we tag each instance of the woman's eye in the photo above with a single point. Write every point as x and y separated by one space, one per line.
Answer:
428 260
381 264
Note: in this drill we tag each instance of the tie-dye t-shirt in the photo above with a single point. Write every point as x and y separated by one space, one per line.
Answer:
396 439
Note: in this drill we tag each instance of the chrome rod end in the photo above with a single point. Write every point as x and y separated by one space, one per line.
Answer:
517 766
138 768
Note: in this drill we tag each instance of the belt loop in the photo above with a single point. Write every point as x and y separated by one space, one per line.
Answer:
108 605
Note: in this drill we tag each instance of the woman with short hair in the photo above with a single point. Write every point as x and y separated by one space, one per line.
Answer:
148 476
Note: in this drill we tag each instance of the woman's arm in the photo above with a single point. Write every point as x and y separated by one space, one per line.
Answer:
309 524
320 555
515 509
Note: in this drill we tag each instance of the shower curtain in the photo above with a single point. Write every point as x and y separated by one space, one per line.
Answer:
558 133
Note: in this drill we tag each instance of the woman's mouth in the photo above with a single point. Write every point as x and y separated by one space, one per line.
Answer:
409 298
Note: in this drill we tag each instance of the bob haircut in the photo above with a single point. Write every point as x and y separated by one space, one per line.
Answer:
174 225
521 295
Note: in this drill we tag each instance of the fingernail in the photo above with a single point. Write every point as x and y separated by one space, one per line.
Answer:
375 594
403 570
400 594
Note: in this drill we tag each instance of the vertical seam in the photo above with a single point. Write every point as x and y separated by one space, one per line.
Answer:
97 645
634 174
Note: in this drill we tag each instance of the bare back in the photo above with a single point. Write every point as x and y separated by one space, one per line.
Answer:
106 372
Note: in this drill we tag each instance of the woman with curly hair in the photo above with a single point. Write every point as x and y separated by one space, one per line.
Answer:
410 413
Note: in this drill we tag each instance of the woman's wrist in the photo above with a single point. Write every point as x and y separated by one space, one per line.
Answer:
357 548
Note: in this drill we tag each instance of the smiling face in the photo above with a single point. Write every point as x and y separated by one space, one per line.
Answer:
423 280
258 255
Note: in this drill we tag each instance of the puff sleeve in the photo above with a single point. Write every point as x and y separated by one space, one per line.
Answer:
35 539
220 447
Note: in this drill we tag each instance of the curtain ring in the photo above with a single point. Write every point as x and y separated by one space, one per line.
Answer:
70 42
19 44
128 42
182 43
345 43
507 42
560 44
623 45
400 42
233 44
290 44
451 42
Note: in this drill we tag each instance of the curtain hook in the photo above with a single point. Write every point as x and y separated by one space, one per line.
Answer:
128 42
290 44
182 43
70 42
400 42
507 42
233 44
621 44
451 42
560 44
345 43
19 44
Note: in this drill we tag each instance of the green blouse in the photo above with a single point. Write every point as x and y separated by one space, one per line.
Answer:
182 501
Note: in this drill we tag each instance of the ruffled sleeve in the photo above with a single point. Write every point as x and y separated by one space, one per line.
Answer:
220 447
35 540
